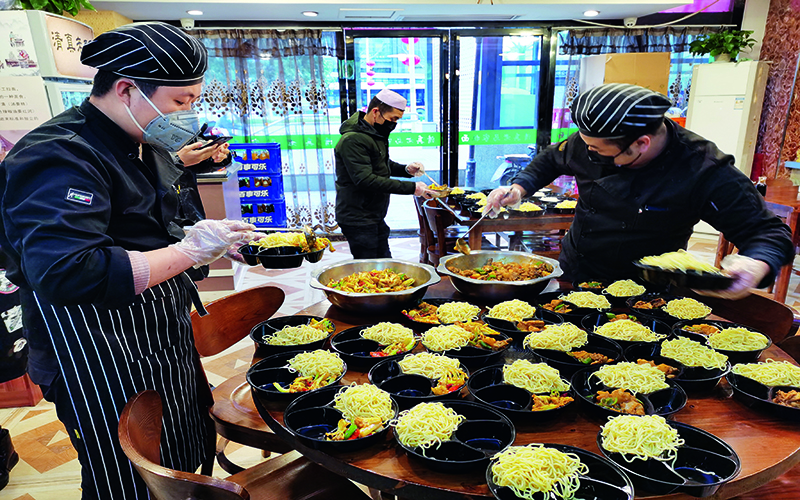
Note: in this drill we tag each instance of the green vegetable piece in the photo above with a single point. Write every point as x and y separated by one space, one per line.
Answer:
350 430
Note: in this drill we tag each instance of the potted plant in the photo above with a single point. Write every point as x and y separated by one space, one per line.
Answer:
723 46
57 6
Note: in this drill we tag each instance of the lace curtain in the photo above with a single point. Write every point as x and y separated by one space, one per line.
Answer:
271 86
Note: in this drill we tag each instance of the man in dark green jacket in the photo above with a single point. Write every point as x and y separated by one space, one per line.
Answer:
363 176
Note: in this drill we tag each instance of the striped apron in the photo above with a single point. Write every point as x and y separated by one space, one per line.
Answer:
108 355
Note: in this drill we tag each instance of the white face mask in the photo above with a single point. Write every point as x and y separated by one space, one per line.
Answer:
172 131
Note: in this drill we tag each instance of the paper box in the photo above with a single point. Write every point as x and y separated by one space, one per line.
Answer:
650 69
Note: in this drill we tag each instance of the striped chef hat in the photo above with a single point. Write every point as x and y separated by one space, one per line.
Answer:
617 110
153 52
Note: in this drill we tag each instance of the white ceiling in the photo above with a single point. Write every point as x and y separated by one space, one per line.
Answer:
408 13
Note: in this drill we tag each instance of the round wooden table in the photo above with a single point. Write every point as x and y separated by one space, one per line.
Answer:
767 446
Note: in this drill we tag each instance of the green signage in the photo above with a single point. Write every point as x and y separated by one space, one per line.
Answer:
328 141
491 137
559 134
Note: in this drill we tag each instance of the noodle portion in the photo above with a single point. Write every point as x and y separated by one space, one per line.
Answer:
389 333
534 468
364 401
678 261
447 371
446 338
687 308
691 353
770 373
317 363
512 310
452 312
737 339
373 281
641 438
588 300
563 337
625 288
295 335
536 378
625 329
293 239
642 379
426 425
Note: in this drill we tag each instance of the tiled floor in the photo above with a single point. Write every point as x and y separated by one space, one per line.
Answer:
48 469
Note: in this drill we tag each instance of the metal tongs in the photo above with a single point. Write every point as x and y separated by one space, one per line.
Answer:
461 246
311 238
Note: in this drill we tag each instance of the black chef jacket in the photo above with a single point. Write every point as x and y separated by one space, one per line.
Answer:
75 197
625 214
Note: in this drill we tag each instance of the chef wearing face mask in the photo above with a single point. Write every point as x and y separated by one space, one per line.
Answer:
88 214
644 182
363 176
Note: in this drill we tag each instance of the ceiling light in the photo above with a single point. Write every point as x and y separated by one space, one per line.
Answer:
591 13
311 13
195 12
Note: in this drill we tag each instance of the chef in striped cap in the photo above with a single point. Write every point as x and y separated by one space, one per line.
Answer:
644 182
88 214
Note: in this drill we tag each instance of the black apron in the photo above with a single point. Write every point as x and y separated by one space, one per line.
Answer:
108 355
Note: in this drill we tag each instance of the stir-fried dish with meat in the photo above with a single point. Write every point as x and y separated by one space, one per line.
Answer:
424 313
531 325
650 304
620 400
558 305
791 398
669 371
386 280
501 271
591 358
702 328
551 402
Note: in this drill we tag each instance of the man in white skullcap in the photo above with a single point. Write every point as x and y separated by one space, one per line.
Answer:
88 214
644 182
363 176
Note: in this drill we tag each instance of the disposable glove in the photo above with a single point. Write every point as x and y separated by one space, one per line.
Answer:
415 168
421 189
747 274
208 240
501 197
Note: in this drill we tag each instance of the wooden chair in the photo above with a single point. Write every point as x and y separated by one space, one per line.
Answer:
288 476
425 233
790 216
229 321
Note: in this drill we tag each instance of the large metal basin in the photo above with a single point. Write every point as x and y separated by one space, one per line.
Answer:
496 291
375 303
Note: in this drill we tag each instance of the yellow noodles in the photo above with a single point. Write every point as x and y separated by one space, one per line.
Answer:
687 308
529 207
562 337
512 310
389 333
636 378
589 300
365 401
457 190
476 196
317 363
427 424
625 329
737 339
445 338
433 366
450 312
293 239
295 335
625 288
534 468
568 204
641 437
537 378
691 353
678 261
770 373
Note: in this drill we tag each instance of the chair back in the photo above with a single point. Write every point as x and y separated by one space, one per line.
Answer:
140 437
231 318
425 233
439 218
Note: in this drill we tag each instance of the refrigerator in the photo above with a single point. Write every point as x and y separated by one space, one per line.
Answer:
40 70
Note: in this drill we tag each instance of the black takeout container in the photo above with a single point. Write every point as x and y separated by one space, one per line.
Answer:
591 321
355 349
734 357
568 365
759 396
264 373
408 389
275 324
691 378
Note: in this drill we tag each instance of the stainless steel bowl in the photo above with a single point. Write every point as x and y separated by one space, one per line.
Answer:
496 291
375 303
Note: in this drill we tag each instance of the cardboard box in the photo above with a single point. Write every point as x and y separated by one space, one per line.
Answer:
102 20
650 70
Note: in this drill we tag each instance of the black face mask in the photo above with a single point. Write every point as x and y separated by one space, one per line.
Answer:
385 128
609 161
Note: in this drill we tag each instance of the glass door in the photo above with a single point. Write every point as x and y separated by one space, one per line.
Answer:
411 66
497 106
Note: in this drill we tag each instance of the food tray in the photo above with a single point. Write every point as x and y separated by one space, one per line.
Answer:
733 356
408 389
759 396
575 315
476 357
355 349
421 326
567 365
279 257
683 279
275 368
704 463
487 386
310 416
510 328
273 325
663 402
604 481
599 319
485 432
691 378
659 313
